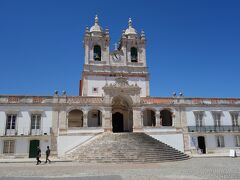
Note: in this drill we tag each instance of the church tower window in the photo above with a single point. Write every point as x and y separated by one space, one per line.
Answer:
134 54
97 53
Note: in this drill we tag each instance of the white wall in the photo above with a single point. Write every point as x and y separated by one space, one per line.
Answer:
174 140
2 122
23 121
229 140
22 147
211 141
1 146
66 143
100 81
208 118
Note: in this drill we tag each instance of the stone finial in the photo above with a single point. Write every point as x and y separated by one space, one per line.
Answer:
87 29
107 31
96 19
55 92
142 33
115 46
129 22
123 33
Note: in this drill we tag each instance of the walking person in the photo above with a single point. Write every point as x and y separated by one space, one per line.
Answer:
47 155
38 155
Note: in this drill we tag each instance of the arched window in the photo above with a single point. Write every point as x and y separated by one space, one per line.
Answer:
75 118
166 117
149 118
97 53
134 54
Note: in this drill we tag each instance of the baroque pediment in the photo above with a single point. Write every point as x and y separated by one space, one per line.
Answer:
121 82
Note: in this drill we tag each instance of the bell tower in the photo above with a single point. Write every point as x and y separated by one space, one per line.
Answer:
133 46
101 66
96 45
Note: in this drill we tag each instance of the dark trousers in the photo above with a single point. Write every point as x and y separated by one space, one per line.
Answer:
47 159
38 160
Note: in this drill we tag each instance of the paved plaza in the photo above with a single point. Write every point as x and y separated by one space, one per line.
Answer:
195 168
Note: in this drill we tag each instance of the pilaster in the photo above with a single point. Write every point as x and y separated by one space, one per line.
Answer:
137 122
85 118
158 120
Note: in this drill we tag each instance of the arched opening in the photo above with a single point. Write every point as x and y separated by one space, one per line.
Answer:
166 117
122 117
201 144
94 118
149 118
97 53
117 124
134 54
75 118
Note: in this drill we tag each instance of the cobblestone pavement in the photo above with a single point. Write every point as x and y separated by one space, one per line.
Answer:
195 168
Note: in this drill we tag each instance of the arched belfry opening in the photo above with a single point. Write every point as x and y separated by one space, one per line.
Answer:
122 116
97 53
134 54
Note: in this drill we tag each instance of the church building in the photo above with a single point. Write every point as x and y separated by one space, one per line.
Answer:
114 100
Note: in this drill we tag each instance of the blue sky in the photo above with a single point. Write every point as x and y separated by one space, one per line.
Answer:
192 46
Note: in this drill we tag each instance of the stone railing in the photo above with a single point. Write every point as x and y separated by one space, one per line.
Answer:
25 99
225 128
25 131
84 100
191 101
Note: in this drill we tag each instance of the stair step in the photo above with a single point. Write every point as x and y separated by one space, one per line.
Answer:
125 147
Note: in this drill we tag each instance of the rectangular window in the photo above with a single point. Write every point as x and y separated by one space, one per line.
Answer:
95 90
8 147
11 121
217 118
36 121
199 118
220 141
234 119
237 141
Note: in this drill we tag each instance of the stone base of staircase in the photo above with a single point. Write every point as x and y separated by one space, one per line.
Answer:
125 147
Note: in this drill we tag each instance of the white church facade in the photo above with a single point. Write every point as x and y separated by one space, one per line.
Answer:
114 96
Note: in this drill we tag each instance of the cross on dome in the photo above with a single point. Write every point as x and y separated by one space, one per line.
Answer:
96 27
130 30
129 22
96 19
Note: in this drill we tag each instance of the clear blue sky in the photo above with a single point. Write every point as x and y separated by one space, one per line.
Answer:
192 46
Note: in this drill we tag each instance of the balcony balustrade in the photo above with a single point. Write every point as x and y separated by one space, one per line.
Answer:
25 132
224 128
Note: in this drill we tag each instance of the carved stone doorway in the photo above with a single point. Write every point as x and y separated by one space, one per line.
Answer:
122 119
117 122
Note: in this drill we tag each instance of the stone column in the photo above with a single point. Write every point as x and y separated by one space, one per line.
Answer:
137 124
158 120
63 120
85 118
54 131
107 119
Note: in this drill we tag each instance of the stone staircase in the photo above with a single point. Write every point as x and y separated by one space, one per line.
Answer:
125 147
